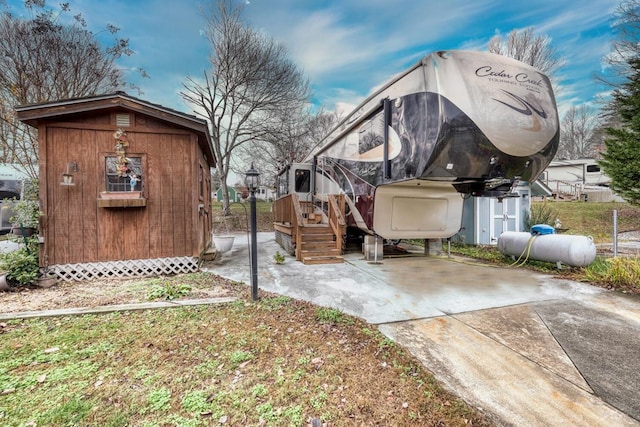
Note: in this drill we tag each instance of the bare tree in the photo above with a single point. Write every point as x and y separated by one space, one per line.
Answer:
42 60
251 86
626 44
526 46
578 133
294 139
625 49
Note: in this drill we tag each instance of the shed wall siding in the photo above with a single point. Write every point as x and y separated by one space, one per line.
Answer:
77 230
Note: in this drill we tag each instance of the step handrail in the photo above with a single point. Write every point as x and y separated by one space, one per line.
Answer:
336 218
297 210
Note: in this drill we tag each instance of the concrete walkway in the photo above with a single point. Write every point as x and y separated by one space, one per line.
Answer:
526 348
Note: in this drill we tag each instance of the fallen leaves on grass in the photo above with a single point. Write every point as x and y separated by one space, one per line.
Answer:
273 362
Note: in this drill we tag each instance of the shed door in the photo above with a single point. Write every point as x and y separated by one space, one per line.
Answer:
504 216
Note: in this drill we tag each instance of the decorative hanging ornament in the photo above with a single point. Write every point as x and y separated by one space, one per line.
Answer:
121 143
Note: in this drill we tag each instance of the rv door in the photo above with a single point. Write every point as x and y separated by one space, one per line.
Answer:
300 181
296 178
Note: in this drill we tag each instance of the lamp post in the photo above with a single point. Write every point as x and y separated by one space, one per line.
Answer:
252 181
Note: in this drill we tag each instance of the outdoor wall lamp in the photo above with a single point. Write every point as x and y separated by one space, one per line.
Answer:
252 181
67 176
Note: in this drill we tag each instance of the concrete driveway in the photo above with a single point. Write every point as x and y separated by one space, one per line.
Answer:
526 348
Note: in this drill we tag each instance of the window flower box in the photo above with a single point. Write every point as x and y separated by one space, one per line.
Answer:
121 195
121 199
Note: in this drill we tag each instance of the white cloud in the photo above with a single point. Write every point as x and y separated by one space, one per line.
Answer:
322 45
348 48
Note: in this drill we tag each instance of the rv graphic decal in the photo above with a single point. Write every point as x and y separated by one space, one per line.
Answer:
527 109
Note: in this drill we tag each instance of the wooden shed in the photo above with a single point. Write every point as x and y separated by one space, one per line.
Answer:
234 195
125 187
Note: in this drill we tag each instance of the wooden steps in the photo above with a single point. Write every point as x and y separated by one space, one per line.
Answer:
318 245
313 234
323 260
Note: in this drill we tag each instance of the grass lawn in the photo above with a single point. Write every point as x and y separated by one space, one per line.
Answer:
238 221
582 218
275 362
261 206
595 219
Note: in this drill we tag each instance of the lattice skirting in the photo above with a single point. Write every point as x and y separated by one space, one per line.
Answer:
125 268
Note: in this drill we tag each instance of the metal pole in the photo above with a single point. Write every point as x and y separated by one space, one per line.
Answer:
254 247
375 248
615 232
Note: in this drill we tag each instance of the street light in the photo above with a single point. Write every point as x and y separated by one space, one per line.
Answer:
252 181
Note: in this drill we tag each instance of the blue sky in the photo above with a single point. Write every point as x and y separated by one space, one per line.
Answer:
349 47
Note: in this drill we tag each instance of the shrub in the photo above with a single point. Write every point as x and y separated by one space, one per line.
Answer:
278 258
541 213
21 266
618 272
26 212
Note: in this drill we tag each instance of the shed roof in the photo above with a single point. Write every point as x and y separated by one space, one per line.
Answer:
32 114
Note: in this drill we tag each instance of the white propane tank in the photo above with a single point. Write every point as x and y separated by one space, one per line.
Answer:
575 251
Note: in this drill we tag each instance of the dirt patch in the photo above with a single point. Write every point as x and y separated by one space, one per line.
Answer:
105 292
121 291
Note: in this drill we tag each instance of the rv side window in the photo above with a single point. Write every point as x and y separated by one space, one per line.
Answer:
303 181
593 168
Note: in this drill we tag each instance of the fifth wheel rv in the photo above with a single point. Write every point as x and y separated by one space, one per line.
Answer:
456 124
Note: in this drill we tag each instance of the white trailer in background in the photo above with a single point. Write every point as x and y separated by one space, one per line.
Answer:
586 171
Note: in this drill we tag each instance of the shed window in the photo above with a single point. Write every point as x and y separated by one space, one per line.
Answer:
130 182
